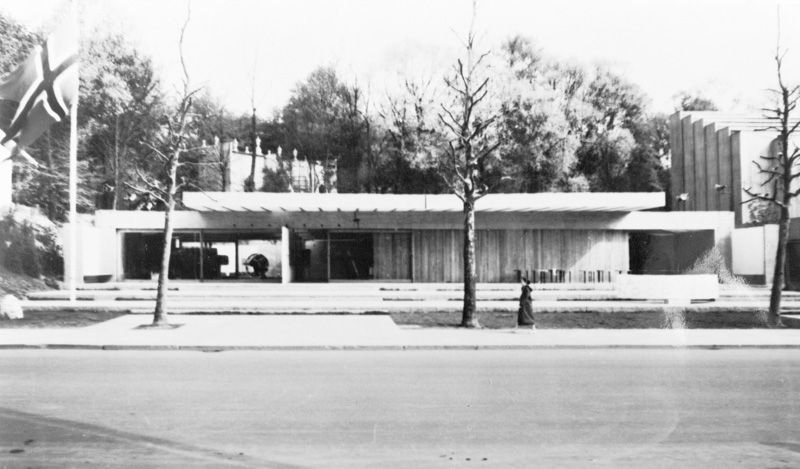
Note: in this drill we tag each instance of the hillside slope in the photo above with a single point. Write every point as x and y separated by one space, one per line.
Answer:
20 284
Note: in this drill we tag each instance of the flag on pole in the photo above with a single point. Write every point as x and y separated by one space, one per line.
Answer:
41 90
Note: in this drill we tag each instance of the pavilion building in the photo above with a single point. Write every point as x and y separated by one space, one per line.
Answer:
551 237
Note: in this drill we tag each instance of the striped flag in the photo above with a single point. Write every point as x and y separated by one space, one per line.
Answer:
41 90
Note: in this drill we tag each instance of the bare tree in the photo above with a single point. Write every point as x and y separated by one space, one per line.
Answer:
370 155
780 173
170 147
250 184
464 161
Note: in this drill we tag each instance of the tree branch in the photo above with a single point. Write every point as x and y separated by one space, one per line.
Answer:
765 198
488 151
180 45
158 152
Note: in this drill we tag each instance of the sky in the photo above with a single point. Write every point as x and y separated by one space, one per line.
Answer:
724 49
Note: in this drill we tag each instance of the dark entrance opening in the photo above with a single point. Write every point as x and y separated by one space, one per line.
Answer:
322 256
792 265
351 256
667 253
141 256
309 252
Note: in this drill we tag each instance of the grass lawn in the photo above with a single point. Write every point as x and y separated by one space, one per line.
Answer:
20 284
58 319
498 320
627 320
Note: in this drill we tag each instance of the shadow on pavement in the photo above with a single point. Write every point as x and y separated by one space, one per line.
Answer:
31 440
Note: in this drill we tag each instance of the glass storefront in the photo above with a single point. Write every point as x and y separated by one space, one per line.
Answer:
315 255
204 256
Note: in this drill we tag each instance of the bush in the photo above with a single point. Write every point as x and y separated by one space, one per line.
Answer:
276 181
50 254
24 249
712 262
21 254
763 213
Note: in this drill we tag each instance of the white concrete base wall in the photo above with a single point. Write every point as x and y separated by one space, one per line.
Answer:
670 288
754 251
96 251
287 276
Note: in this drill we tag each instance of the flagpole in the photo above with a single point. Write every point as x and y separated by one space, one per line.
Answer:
73 196
73 179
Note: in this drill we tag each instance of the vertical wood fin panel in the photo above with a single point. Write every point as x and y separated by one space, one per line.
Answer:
688 163
725 169
700 165
736 170
676 150
713 195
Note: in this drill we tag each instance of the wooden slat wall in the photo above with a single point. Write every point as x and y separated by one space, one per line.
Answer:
392 256
688 163
725 162
382 256
700 169
736 170
402 255
706 153
712 168
438 253
676 148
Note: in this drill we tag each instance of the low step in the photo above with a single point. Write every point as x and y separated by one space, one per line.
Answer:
360 307
133 295
792 321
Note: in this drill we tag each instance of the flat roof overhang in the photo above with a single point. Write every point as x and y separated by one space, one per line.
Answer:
541 202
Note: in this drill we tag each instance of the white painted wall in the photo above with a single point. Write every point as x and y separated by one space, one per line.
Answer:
240 170
753 146
754 251
667 287
748 251
287 273
96 251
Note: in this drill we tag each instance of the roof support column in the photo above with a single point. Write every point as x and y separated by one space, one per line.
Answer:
286 267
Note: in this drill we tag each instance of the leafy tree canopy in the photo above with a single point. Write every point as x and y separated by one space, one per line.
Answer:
323 121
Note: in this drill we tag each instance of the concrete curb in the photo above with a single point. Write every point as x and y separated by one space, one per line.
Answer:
400 307
317 348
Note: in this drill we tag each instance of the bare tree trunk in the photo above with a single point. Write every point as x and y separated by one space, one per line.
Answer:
467 152
326 175
160 314
177 145
780 173
779 276
468 318
251 187
117 173
224 164
370 170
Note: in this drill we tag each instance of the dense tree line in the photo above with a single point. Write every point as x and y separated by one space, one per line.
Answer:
559 126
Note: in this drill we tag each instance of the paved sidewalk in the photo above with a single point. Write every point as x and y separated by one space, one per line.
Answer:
302 332
244 305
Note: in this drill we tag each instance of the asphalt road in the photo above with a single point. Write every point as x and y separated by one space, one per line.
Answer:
403 409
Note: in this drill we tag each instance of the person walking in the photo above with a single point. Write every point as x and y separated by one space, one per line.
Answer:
525 316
